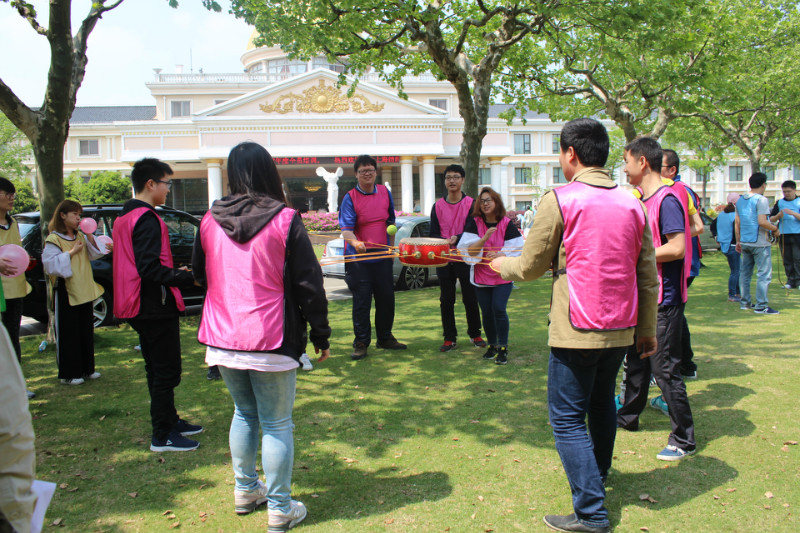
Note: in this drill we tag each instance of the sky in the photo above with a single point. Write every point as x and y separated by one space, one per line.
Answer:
124 48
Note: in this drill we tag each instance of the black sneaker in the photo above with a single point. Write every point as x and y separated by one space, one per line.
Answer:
174 442
502 356
571 523
359 351
391 344
447 346
490 353
185 428
213 373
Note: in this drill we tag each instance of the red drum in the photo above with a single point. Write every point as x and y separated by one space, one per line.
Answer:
421 251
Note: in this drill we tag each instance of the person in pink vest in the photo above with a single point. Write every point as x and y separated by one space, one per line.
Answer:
594 236
488 234
264 285
147 295
366 211
670 226
448 216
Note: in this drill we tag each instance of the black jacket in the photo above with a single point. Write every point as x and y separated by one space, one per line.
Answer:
241 218
156 299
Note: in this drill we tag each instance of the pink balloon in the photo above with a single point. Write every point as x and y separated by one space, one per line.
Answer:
17 257
88 225
105 240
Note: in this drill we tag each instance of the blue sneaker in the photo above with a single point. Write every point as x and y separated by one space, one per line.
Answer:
673 453
766 311
174 442
185 428
618 401
659 403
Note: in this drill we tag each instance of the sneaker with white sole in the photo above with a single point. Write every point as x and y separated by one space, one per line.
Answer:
305 361
174 442
245 502
93 375
280 522
74 381
659 403
185 428
673 453
766 311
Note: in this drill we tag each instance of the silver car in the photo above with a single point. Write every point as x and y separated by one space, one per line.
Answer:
405 277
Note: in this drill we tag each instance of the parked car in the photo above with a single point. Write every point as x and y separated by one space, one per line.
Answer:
405 277
182 228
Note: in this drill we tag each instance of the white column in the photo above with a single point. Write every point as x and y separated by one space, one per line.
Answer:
407 184
495 169
429 183
506 175
214 180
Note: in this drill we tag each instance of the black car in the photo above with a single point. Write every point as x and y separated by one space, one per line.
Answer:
182 230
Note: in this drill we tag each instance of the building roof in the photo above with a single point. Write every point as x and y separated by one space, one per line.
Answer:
108 114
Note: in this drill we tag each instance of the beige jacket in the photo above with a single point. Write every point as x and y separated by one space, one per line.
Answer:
544 246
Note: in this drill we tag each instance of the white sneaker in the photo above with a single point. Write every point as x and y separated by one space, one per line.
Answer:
280 522
76 381
247 502
306 362
787 286
93 375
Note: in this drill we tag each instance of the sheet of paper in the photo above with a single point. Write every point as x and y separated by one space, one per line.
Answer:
44 492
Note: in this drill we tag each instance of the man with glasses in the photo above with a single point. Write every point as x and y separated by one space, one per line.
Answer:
447 222
146 294
364 215
16 288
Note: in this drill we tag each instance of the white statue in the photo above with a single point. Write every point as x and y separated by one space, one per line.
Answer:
332 179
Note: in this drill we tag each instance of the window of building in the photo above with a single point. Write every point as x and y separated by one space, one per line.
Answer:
181 108
770 172
522 176
522 206
522 143
285 67
558 175
735 173
484 176
88 147
796 173
441 103
322 62
257 68
556 144
702 175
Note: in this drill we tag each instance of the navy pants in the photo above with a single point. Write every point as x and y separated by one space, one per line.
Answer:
368 280
448 275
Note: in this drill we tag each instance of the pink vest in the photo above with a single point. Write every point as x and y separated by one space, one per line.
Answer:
127 283
653 205
452 217
372 211
244 304
482 272
683 196
603 231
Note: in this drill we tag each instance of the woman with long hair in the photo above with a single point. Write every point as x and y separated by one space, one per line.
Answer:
264 285
488 234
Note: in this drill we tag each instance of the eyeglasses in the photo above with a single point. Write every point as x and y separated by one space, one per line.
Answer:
452 178
486 201
10 196
366 172
167 183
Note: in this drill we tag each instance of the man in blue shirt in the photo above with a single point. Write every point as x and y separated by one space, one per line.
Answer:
786 212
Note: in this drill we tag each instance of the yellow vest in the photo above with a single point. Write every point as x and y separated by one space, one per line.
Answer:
15 287
81 287
667 181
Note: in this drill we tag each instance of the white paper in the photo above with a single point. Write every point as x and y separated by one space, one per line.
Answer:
44 491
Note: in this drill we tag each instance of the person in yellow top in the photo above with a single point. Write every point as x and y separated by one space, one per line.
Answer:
67 257
15 288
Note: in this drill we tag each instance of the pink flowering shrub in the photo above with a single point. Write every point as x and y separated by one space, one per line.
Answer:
321 221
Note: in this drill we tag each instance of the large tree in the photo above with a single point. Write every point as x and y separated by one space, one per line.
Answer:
48 126
462 41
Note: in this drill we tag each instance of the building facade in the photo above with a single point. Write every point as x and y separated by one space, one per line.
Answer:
295 110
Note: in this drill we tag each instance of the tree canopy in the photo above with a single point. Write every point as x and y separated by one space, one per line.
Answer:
14 150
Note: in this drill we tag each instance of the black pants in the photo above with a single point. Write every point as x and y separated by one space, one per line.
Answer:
665 366
161 348
447 300
790 248
367 280
688 366
74 336
12 317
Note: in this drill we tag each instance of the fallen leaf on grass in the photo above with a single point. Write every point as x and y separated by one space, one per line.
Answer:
767 507
647 497
165 513
161 460
644 528
791 443
768 494
57 522
63 486
133 494
731 490
203 514
389 521
103 417
172 516
480 498
784 448
175 525
473 516
73 489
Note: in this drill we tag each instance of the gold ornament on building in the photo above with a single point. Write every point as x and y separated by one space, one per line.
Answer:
321 99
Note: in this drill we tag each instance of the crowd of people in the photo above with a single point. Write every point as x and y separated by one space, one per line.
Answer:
619 293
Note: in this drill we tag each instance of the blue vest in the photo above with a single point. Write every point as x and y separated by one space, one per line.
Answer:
788 224
748 217
725 230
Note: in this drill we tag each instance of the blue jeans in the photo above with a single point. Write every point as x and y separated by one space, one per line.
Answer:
761 257
581 383
733 262
265 399
493 302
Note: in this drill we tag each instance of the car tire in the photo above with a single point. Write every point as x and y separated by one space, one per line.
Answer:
103 309
412 277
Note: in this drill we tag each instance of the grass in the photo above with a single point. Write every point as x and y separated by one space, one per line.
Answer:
424 441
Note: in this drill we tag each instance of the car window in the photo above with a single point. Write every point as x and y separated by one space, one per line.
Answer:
422 229
26 224
181 229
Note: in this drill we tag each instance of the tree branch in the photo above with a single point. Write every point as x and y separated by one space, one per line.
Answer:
28 12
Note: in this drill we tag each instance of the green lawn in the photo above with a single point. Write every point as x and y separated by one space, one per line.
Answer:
424 441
